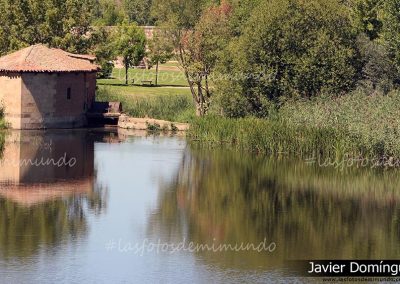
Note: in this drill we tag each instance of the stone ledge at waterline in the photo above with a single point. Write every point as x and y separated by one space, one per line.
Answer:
127 122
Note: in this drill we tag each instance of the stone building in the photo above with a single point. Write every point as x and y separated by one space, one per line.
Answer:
43 87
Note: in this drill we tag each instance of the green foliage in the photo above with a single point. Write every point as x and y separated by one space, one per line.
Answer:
178 15
63 24
108 13
356 125
391 29
130 43
160 51
378 72
241 12
103 50
138 11
198 31
289 49
366 17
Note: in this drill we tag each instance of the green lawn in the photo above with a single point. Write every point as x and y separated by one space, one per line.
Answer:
171 100
144 92
165 78
171 64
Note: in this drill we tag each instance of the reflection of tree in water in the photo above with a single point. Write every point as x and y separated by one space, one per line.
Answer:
97 200
2 141
309 212
24 230
53 207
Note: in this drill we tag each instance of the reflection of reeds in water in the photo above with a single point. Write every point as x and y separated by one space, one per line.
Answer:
309 212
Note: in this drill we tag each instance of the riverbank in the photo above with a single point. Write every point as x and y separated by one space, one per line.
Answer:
126 122
352 126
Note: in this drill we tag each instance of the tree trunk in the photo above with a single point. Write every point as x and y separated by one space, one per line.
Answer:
196 99
201 99
126 73
157 74
199 112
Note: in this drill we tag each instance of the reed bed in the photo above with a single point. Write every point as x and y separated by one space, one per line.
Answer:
351 126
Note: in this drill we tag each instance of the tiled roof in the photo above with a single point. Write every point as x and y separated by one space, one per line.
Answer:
40 58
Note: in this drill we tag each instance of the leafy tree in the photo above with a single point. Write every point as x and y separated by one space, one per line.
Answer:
198 31
138 11
178 15
59 23
160 50
241 11
130 43
289 48
108 13
103 49
378 71
391 29
366 16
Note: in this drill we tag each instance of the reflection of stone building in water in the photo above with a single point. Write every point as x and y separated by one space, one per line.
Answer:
48 188
37 167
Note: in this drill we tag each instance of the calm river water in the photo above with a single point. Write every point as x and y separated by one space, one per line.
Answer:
95 206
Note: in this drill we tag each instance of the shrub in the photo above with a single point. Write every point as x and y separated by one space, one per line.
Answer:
288 49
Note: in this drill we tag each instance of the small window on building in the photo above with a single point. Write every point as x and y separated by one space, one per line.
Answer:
68 93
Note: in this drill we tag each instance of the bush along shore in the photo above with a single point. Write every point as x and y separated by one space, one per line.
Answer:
354 126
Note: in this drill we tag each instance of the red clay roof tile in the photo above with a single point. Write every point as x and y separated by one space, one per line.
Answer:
40 58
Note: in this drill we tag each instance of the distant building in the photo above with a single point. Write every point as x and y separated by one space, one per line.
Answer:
43 87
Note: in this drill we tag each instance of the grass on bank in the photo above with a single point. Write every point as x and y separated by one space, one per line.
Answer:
354 126
167 105
170 100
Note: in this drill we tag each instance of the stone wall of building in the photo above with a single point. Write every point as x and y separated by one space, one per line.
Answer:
47 100
91 85
10 99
